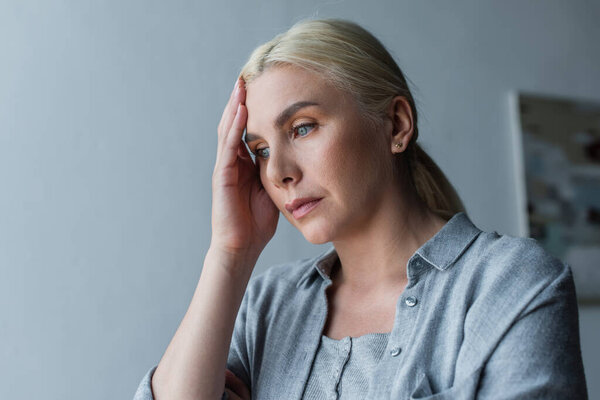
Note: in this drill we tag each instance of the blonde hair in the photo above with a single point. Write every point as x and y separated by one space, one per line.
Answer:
353 60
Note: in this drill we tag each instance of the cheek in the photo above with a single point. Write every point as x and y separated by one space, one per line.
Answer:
266 183
357 161
274 193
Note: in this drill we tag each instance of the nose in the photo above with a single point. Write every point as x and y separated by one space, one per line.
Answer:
282 168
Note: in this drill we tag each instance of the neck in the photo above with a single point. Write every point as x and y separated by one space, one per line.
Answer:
376 255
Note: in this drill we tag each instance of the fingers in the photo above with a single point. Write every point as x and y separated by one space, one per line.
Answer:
238 96
243 152
233 137
236 385
227 109
232 141
231 127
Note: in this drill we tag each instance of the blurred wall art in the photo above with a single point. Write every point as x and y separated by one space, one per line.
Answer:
558 158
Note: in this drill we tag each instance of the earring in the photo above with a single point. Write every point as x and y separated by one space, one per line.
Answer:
398 145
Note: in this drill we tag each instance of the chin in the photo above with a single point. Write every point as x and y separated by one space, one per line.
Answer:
317 240
316 234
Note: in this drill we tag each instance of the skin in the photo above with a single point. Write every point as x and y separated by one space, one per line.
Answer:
367 210
370 215
331 156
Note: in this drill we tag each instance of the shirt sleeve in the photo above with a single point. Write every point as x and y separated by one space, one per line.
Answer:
144 390
243 341
539 357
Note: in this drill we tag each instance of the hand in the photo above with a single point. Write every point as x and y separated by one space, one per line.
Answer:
244 218
235 387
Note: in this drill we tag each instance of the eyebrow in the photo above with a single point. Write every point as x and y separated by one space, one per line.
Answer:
284 116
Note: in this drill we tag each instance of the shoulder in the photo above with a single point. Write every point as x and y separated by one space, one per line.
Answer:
513 249
287 280
520 262
475 262
504 278
488 274
519 310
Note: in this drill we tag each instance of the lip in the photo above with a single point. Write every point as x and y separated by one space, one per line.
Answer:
302 206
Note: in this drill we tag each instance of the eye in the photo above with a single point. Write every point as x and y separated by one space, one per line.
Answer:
303 129
262 153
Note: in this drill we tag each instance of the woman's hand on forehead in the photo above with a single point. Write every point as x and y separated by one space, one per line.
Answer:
243 216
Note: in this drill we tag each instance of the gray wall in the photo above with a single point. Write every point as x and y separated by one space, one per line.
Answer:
107 138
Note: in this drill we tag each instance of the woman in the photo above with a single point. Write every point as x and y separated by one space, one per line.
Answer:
412 301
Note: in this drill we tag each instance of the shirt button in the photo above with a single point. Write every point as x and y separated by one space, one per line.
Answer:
395 351
411 301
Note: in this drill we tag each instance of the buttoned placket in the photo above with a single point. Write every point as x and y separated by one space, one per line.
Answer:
310 342
344 349
406 309
401 338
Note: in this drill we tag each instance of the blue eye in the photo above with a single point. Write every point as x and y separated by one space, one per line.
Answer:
304 129
262 153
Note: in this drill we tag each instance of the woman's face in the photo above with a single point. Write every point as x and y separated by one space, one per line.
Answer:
322 164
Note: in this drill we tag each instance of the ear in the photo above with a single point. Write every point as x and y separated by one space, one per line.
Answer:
401 117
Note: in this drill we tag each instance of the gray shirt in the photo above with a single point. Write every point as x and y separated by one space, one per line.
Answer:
342 368
483 315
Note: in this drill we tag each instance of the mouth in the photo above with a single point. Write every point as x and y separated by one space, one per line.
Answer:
300 207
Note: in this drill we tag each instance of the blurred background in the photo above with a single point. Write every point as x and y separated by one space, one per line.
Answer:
108 115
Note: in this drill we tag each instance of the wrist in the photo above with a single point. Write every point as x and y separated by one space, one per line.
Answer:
236 262
235 253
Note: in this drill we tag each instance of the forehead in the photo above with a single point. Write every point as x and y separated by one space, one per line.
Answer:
279 87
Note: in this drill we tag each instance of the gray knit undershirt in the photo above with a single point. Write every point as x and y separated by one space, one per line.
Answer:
342 369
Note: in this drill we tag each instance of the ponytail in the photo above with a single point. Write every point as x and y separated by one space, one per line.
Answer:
431 185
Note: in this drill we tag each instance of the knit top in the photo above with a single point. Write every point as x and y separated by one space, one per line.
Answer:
343 369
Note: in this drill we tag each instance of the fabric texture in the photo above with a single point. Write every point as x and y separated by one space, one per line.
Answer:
342 368
483 316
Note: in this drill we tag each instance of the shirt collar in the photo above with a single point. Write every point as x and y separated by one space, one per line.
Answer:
319 266
441 251
446 246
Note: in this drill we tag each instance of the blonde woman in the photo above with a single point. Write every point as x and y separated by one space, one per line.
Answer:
412 301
